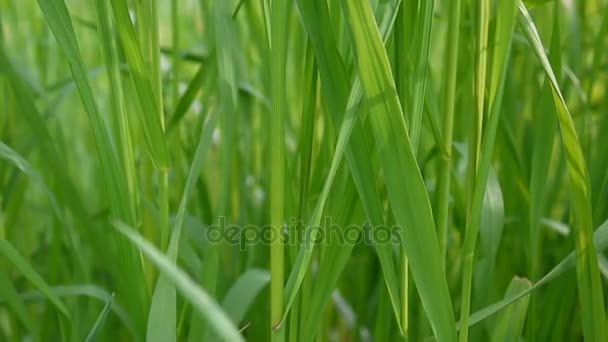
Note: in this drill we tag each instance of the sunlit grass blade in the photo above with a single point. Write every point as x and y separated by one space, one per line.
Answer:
589 282
600 240
279 14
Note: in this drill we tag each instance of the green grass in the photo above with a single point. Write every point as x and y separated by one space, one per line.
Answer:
303 170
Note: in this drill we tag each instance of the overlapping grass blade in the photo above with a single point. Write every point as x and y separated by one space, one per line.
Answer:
510 323
411 208
103 315
334 87
545 124
589 282
9 252
162 316
600 241
505 24
15 303
199 299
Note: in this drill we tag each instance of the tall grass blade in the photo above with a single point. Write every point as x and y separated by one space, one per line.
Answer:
411 208
588 276
199 299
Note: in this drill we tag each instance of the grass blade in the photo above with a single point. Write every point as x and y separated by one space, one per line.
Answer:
411 208
92 336
162 316
588 276
199 299
510 323
10 253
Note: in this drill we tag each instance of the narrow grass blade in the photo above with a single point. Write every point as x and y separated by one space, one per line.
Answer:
510 324
490 235
188 97
505 24
449 104
85 290
588 276
240 296
20 163
335 258
162 316
58 18
411 208
545 124
144 86
335 85
199 299
92 336
600 240
279 14
15 303
10 253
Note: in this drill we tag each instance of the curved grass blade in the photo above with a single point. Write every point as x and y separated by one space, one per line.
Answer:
92 336
600 241
411 208
243 292
588 275
9 252
334 85
87 290
162 316
144 87
199 299
505 24
12 156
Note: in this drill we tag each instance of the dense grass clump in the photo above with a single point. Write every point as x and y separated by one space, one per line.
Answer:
303 170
